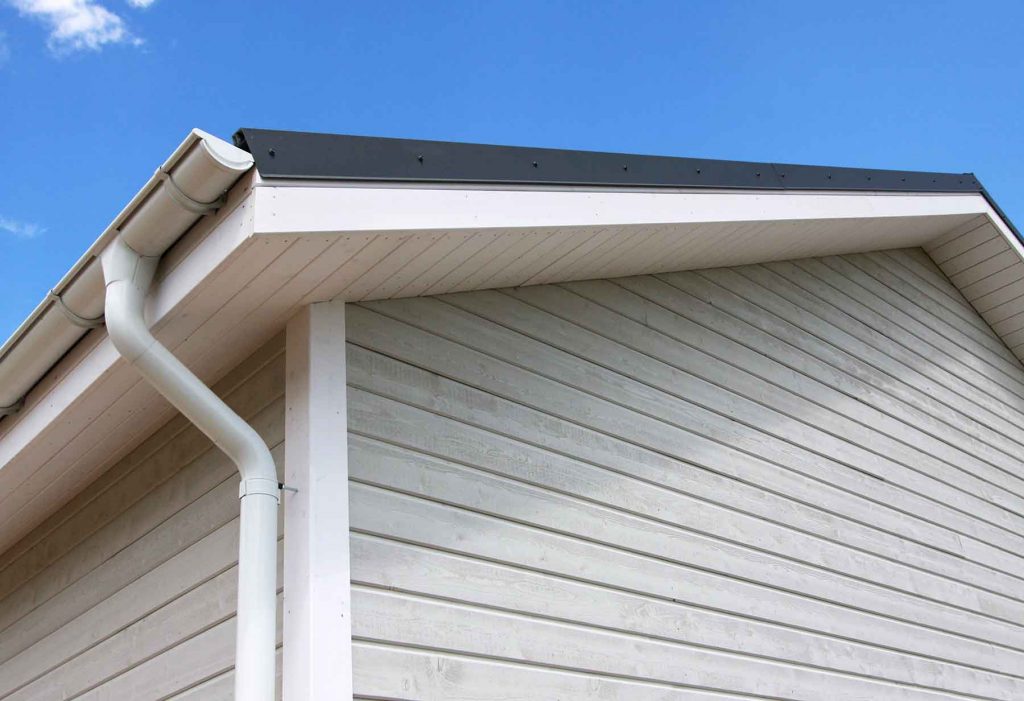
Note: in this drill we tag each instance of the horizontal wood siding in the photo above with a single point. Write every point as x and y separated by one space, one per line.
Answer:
129 591
990 275
796 480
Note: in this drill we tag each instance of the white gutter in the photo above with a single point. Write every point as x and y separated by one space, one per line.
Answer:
204 166
188 185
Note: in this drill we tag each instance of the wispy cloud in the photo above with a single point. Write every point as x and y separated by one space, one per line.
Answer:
141 3
77 25
5 49
19 229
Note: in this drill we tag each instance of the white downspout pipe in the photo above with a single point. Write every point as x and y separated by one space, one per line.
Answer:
128 276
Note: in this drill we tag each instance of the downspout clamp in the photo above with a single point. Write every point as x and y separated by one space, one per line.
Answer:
128 275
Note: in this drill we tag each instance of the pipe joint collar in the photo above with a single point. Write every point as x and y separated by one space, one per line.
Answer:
13 408
259 485
186 201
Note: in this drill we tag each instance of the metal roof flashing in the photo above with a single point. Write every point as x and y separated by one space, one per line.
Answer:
311 156
315 156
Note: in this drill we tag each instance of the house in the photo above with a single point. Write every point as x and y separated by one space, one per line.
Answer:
545 425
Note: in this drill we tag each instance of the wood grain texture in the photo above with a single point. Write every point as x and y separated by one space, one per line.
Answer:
794 480
129 591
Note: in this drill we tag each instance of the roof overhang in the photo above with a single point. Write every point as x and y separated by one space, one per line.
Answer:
285 239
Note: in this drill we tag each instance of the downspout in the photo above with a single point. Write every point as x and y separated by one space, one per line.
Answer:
128 275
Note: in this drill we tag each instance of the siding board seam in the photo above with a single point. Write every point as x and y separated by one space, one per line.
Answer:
182 427
980 343
703 534
357 585
711 351
678 563
829 344
600 398
745 397
458 654
926 367
398 398
696 497
647 595
947 336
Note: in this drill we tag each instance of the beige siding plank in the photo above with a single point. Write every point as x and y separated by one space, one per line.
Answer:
963 244
984 251
516 384
408 472
143 476
934 309
909 321
1009 295
995 281
698 382
786 310
417 621
393 566
664 484
577 556
390 672
957 232
705 491
801 386
983 269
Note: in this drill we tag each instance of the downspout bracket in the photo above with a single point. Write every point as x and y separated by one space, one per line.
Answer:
259 485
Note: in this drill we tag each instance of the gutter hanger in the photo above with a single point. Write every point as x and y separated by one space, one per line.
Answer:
203 166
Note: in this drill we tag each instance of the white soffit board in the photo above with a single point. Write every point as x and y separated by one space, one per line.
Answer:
985 260
236 279
409 241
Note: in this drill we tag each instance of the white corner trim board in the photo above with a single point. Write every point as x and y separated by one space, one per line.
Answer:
317 609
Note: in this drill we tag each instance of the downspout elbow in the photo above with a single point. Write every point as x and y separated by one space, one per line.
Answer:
128 278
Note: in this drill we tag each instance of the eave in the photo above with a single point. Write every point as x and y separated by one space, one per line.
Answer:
287 238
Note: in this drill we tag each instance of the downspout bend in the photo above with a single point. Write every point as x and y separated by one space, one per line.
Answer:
128 276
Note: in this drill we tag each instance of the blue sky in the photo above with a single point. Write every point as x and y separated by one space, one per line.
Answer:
95 93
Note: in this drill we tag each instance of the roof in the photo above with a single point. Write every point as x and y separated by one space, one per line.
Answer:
316 156
312 156
333 217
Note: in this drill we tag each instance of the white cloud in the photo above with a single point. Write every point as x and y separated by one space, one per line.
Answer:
141 3
21 230
76 25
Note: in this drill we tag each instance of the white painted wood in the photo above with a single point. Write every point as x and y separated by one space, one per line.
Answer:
994 264
520 386
662 483
404 567
306 208
317 616
394 672
229 285
129 591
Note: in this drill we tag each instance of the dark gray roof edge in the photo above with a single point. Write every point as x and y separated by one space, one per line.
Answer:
314 156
